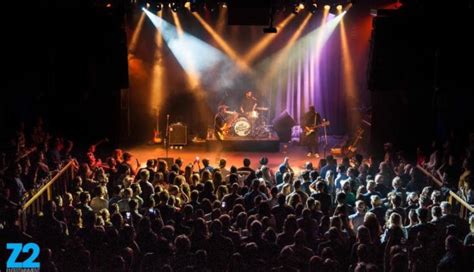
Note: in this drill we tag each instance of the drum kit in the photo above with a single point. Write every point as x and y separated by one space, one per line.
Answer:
250 124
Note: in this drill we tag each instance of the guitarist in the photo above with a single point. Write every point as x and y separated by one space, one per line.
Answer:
311 120
220 124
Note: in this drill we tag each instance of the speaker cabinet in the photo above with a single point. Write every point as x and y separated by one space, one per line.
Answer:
178 134
283 124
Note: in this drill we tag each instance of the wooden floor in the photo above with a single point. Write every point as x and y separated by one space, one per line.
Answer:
296 154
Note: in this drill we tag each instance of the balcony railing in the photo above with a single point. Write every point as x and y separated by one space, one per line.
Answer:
463 208
58 185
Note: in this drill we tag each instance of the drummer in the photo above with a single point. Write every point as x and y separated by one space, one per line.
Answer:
249 103
247 107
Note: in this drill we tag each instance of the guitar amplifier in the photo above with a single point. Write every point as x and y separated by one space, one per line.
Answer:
178 134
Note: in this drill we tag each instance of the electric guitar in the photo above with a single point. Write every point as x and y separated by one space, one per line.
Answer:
308 130
222 132
352 148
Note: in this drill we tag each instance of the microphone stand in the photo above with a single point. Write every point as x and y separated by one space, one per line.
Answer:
325 138
167 134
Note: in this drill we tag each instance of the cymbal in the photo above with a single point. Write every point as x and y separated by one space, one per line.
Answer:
261 108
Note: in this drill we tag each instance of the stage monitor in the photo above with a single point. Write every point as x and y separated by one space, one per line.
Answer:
283 124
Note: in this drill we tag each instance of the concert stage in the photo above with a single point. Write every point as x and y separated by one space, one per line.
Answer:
294 151
236 143
297 155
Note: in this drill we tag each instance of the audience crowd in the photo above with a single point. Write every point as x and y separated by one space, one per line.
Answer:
355 214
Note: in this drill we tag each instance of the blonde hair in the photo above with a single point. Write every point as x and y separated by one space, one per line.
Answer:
397 181
375 200
395 220
105 214
369 216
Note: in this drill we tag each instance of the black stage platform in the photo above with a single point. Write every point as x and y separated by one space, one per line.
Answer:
249 144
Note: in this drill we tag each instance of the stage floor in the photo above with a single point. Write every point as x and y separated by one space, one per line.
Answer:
245 144
295 152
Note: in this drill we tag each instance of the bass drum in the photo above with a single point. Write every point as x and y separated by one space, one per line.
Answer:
242 127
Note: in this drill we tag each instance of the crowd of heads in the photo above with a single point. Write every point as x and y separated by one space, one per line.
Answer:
29 158
351 214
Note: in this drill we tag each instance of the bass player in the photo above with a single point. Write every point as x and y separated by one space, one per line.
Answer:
310 123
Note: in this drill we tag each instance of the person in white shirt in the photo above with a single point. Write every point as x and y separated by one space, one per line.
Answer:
224 171
99 202
287 186
124 202
357 219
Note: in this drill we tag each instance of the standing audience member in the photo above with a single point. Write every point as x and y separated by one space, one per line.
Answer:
175 219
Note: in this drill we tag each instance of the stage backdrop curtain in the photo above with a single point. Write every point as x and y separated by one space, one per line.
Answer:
307 77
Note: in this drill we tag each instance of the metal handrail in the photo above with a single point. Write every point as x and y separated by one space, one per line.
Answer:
58 185
451 193
47 185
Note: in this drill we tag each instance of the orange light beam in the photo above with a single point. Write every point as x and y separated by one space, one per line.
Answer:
265 41
282 55
158 38
221 20
136 33
319 44
157 86
177 23
225 47
317 52
348 73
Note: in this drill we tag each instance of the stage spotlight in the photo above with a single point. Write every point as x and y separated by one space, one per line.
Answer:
339 8
153 6
176 6
297 7
295 10
187 5
327 7
313 8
